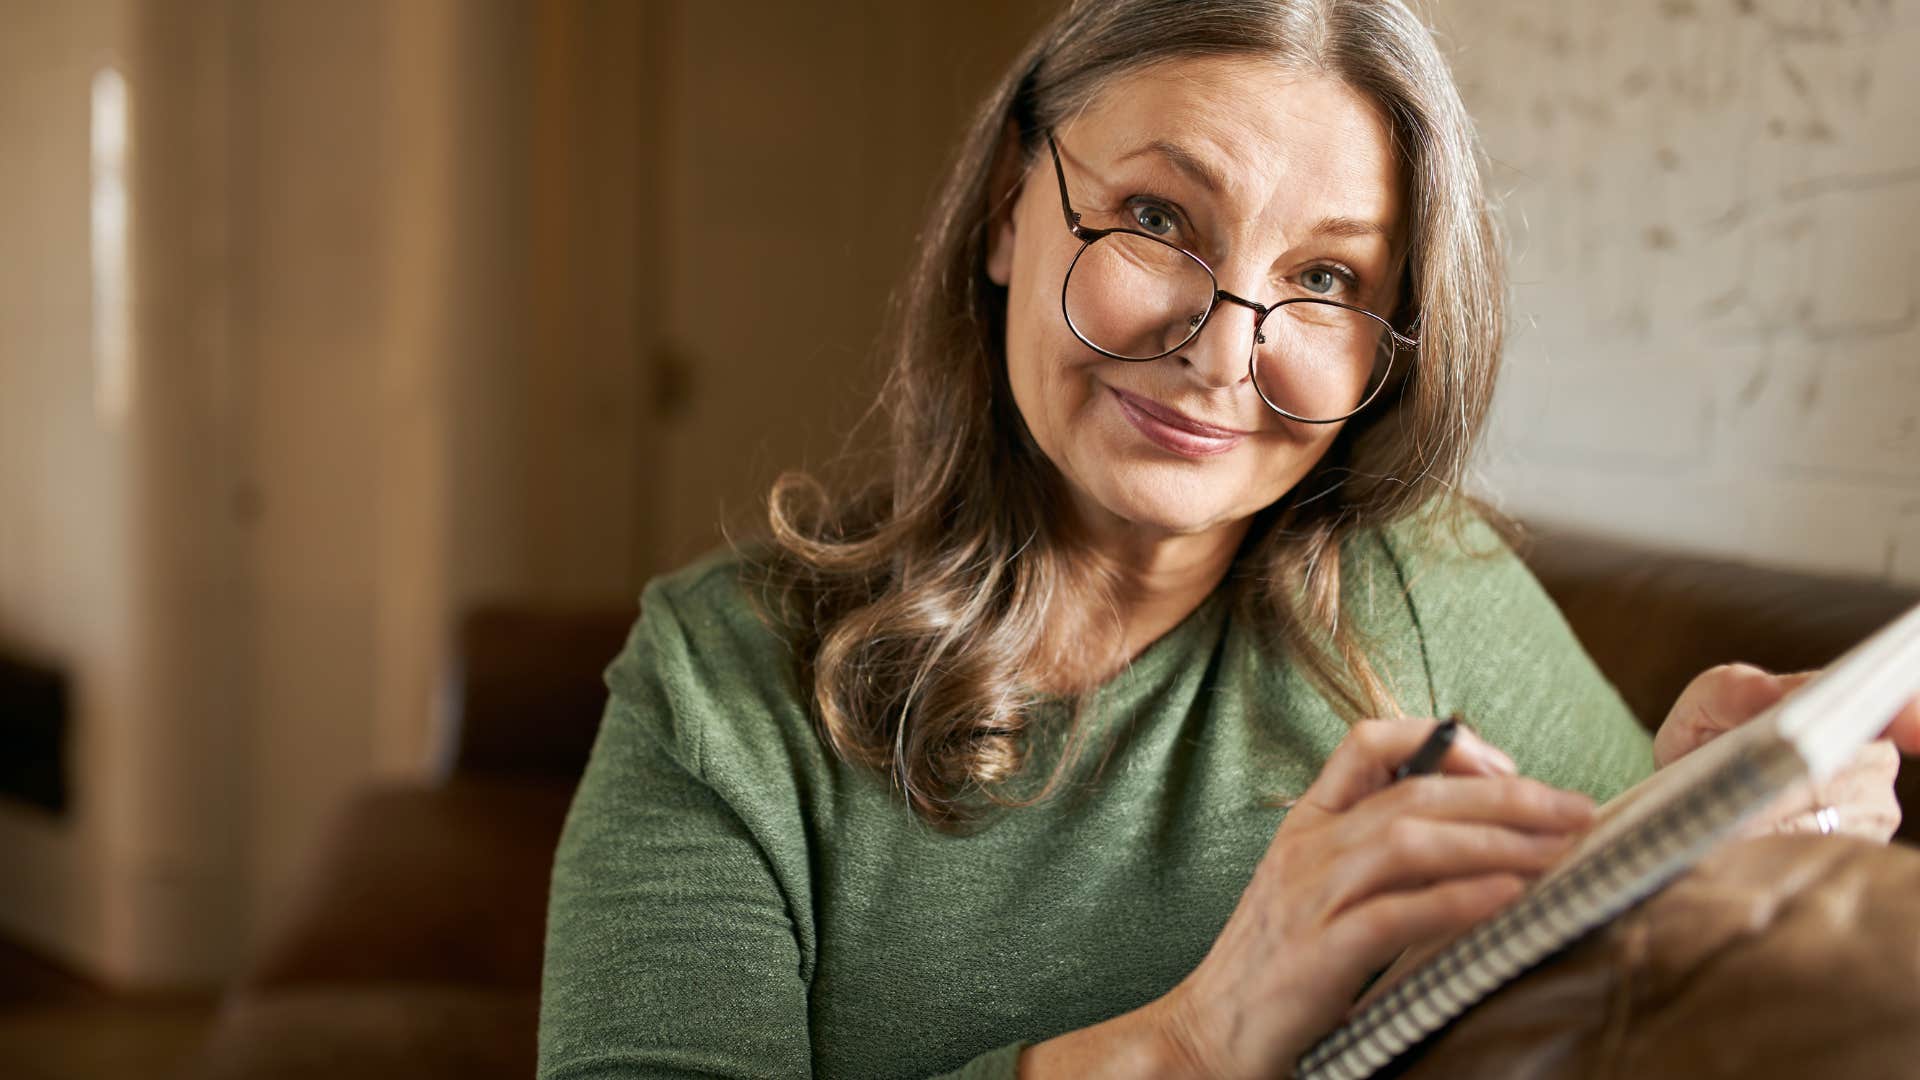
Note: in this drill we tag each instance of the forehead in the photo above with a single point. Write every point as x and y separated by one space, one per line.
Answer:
1272 139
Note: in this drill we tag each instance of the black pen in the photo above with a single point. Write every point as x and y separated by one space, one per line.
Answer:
1427 758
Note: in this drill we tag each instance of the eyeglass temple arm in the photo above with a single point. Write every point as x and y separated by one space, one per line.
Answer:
1060 175
1409 340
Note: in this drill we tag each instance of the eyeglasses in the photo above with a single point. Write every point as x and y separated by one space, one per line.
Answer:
1133 296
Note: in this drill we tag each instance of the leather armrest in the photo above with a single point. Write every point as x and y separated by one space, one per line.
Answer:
424 884
529 687
1653 619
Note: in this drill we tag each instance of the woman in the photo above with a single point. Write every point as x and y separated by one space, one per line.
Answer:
1201 334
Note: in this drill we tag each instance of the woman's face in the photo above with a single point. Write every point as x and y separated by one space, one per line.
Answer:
1286 186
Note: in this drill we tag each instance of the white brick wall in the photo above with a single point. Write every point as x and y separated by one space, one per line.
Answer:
1714 209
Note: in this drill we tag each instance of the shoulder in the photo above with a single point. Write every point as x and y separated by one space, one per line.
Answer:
1499 651
1450 544
707 612
1455 564
1464 580
700 650
1445 583
1417 590
1445 557
708 602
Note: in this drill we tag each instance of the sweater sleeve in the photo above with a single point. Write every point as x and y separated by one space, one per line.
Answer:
671 949
1499 653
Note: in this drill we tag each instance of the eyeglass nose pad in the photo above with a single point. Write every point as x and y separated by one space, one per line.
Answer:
1259 337
1193 321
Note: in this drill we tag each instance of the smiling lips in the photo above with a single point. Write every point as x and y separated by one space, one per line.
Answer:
1173 430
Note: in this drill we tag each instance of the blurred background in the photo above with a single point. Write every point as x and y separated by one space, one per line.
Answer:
326 326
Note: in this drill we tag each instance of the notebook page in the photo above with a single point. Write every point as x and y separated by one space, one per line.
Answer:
1628 810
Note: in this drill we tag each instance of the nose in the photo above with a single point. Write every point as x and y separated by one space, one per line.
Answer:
1217 357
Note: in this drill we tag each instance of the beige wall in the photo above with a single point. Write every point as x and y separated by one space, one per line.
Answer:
1715 212
373 381
65 549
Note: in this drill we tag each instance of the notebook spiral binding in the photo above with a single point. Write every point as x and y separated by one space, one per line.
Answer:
1552 916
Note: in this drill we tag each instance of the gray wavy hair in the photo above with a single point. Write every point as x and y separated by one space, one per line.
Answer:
918 600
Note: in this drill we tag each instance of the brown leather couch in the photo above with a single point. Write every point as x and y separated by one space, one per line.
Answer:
417 950
1779 958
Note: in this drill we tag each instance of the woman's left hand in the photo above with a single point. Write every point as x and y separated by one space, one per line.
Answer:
1860 796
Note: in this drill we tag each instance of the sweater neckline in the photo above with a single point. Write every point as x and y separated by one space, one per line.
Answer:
1152 665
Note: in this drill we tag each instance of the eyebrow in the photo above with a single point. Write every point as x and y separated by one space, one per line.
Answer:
1196 167
1181 158
1346 228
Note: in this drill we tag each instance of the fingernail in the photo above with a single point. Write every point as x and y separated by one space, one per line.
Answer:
1488 753
1496 759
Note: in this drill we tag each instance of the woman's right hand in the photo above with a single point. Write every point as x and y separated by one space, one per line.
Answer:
1360 869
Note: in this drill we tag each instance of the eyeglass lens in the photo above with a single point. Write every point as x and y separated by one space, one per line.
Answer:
1138 299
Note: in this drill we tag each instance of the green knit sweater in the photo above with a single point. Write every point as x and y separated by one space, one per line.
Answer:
729 899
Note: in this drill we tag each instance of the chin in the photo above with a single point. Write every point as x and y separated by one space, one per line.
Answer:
1178 506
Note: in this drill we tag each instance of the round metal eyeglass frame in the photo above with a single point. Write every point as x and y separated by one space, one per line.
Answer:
1088 236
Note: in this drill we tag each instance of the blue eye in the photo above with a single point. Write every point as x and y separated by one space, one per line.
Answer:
1321 280
1154 220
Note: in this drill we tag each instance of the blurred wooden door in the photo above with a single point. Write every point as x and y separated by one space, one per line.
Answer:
800 145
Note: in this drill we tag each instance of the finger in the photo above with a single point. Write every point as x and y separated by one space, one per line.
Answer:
1867 777
1789 683
1878 760
1731 694
1365 760
1516 802
1904 729
1413 852
1876 820
1718 700
1378 929
1860 795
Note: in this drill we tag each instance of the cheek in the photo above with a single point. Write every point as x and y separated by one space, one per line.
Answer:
1049 389
1048 382
1281 459
1026 358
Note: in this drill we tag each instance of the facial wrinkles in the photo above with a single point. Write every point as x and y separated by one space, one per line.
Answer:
1310 186
1280 179
1281 173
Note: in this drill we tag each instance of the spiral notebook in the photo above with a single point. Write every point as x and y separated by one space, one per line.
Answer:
1643 839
